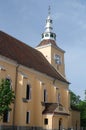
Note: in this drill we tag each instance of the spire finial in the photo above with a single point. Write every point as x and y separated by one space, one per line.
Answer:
49 10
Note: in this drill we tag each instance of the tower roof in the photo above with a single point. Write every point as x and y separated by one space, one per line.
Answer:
46 42
48 33
48 36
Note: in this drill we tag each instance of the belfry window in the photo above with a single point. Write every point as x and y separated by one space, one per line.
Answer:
42 35
51 35
46 35
28 92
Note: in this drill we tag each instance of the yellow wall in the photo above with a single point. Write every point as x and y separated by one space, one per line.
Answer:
49 52
21 76
74 119
64 120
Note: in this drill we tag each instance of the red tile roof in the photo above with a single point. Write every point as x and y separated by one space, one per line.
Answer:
51 107
47 41
25 55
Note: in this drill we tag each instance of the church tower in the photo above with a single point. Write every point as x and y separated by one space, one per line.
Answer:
49 48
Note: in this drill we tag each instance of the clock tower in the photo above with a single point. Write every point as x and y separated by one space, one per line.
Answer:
49 47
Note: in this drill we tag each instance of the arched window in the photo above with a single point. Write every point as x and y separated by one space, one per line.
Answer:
46 35
59 98
10 82
28 92
28 117
45 95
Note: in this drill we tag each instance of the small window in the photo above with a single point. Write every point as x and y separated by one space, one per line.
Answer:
28 92
45 95
6 116
9 81
59 98
42 35
27 117
46 35
51 35
46 121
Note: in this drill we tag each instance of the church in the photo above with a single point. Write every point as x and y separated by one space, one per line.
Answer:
37 76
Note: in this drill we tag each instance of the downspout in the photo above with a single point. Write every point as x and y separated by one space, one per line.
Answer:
16 79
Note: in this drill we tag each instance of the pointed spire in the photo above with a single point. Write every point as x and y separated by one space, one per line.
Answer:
48 34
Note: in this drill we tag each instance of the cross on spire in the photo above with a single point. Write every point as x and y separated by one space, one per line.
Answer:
49 10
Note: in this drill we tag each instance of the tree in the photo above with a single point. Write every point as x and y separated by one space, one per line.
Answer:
85 95
74 99
80 105
7 96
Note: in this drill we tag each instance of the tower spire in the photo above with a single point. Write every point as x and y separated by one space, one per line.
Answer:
48 34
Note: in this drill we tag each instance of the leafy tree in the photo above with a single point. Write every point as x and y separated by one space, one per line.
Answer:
82 107
74 99
7 96
85 95
78 104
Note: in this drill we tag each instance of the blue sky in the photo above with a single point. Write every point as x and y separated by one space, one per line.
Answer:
25 20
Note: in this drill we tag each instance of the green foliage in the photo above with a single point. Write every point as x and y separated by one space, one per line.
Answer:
7 96
82 107
85 95
74 99
78 104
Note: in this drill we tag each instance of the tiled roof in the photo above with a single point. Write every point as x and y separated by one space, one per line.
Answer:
47 41
27 56
51 107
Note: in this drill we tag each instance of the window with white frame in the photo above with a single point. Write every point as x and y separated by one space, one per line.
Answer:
28 92
28 117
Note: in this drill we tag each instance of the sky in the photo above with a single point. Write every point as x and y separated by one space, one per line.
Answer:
25 20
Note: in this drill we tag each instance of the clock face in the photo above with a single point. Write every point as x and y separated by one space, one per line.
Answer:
57 59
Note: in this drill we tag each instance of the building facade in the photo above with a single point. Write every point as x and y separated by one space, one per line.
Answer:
38 79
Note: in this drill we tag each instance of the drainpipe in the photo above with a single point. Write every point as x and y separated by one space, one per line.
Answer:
16 79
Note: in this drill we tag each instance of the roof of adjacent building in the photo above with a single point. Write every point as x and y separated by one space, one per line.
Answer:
25 55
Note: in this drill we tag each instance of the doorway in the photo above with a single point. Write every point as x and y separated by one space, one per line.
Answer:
60 123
